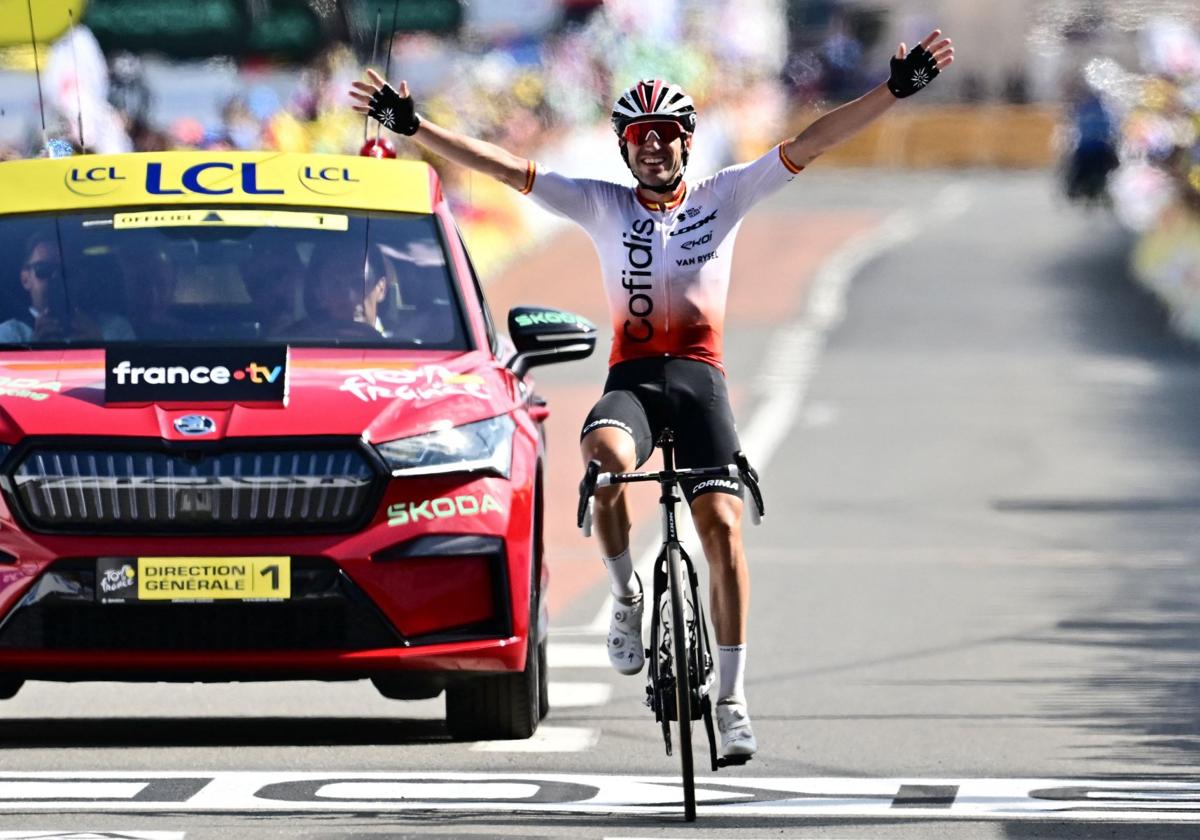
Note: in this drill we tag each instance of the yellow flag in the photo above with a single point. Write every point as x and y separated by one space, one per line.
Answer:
51 18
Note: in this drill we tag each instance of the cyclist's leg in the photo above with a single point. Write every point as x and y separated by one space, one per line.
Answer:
717 516
708 437
617 435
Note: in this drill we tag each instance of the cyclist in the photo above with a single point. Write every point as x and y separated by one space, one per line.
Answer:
665 250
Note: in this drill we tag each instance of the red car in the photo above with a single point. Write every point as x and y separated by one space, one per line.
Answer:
257 423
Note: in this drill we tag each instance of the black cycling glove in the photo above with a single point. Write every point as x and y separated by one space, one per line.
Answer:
394 111
913 72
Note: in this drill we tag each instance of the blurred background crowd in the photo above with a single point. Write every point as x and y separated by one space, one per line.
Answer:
1104 92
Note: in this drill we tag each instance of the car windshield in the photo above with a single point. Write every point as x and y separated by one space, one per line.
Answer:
227 275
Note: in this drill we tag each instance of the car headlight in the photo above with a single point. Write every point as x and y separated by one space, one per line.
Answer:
485 446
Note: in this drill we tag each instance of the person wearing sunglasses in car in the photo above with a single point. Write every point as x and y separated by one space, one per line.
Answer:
665 249
49 316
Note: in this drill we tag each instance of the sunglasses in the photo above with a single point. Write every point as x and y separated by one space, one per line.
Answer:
666 130
44 269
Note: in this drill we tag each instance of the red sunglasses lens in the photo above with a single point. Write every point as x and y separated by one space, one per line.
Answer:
666 130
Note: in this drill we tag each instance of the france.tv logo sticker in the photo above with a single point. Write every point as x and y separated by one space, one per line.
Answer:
148 373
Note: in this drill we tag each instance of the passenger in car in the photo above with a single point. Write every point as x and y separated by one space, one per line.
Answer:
272 279
149 284
50 315
342 299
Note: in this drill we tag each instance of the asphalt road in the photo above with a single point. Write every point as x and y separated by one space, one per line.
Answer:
974 593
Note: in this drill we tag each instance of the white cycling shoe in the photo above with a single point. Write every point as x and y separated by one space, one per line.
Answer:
733 722
625 650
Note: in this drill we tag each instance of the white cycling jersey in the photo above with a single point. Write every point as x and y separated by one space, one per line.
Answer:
665 265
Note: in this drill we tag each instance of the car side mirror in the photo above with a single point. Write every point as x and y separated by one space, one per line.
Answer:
544 336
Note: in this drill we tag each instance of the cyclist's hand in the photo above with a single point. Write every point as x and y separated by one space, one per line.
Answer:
913 70
393 109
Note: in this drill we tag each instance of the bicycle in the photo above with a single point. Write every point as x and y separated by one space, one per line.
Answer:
680 663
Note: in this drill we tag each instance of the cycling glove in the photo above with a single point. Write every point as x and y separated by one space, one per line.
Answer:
394 111
913 72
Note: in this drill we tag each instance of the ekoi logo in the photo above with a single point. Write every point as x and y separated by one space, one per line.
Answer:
127 374
635 278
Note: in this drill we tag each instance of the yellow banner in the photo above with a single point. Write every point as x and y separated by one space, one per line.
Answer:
231 218
87 182
213 578
51 18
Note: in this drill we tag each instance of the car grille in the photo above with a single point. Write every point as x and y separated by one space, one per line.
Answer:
151 490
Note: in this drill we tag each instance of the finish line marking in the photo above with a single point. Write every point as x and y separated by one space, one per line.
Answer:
389 793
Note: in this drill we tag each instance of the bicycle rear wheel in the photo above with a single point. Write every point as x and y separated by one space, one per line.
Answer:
683 679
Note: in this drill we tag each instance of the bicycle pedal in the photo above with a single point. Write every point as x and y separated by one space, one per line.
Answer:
733 760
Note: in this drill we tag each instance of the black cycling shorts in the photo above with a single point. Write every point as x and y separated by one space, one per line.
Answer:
642 396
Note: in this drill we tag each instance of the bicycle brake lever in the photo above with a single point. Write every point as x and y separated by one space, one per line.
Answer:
749 477
587 488
743 465
586 527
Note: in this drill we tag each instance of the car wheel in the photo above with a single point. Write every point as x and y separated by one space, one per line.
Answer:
543 681
503 707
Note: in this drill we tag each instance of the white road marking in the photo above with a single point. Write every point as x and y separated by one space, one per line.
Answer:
106 834
1116 370
795 349
58 790
783 798
579 695
547 739
577 655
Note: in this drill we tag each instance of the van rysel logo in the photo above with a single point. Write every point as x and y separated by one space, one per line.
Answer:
195 424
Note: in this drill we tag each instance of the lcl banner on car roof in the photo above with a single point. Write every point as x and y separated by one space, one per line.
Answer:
177 179
156 373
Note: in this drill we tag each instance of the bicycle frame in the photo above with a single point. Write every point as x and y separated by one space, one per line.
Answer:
680 692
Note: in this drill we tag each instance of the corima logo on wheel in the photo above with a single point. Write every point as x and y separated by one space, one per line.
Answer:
150 373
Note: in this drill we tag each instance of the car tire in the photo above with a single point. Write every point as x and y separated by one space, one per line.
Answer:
504 707
543 680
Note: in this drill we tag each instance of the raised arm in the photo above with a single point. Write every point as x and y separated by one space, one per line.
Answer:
395 111
911 71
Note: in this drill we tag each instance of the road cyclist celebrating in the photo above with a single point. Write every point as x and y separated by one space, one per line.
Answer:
665 249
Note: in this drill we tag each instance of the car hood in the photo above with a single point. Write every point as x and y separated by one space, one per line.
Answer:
381 395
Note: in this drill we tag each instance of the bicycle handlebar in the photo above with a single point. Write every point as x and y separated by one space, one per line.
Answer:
593 478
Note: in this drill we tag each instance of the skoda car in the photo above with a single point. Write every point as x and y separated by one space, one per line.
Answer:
256 422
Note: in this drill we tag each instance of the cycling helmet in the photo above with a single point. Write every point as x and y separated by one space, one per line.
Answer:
654 99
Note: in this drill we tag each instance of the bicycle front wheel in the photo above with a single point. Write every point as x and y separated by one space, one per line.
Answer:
683 679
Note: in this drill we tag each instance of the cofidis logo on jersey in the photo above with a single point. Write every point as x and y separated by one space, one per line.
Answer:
153 373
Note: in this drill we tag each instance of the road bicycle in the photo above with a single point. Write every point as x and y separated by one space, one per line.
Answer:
680 662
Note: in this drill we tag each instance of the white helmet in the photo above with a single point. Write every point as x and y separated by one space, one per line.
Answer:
653 99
